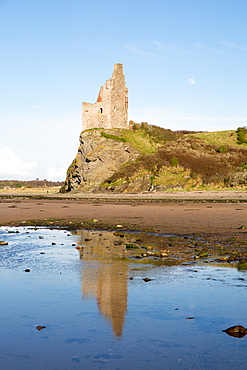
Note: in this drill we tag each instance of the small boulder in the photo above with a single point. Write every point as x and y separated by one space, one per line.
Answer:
146 280
237 331
2 242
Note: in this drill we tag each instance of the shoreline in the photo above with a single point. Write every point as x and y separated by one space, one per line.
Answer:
217 225
168 213
194 196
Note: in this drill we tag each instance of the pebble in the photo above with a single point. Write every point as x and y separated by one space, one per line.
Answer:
3 242
146 280
163 254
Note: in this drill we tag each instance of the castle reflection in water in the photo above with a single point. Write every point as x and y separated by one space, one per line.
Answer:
104 276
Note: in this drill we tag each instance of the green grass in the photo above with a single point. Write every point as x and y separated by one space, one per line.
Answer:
140 141
219 138
147 139
113 137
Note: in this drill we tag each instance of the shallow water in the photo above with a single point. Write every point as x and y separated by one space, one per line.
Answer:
96 317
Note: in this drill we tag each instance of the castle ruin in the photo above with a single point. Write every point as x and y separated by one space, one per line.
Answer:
111 108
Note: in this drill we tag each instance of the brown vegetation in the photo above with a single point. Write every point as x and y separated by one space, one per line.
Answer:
208 162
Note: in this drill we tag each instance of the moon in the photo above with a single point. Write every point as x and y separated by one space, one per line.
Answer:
192 81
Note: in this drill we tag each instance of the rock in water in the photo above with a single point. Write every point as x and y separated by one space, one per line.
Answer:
3 242
237 331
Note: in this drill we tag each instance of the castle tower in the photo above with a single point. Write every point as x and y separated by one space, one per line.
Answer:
111 107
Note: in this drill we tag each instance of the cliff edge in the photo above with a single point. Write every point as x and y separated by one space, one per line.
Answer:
98 158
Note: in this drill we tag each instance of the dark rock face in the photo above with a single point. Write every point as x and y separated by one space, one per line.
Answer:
97 159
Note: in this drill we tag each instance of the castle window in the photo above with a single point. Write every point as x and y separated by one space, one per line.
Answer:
101 110
126 102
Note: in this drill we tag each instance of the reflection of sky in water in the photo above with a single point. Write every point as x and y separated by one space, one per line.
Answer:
79 299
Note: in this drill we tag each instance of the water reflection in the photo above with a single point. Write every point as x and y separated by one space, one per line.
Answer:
101 245
157 331
107 282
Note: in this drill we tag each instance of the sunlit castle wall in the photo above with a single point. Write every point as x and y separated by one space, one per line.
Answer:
111 107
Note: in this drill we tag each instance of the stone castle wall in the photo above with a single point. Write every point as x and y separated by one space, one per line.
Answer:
111 108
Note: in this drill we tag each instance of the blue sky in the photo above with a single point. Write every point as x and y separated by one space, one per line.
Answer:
184 64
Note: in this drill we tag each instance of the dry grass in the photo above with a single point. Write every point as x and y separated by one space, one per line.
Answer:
174 176
219 138
38 190
204 162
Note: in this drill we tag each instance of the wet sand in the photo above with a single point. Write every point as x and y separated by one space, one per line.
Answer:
179 213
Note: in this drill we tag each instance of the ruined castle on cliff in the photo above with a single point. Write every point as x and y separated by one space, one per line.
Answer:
111 107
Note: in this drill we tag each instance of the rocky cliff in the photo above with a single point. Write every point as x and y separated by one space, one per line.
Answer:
98 158
150 158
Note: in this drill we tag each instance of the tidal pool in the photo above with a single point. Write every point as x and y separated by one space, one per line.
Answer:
86 290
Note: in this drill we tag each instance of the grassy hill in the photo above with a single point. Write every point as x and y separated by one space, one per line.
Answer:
219 138
180 159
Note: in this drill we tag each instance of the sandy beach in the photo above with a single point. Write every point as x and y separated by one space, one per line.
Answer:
222 213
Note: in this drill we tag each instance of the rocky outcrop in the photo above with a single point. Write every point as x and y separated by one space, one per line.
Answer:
97 159
237 179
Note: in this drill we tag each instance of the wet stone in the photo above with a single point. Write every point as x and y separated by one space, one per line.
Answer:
2 242
237 331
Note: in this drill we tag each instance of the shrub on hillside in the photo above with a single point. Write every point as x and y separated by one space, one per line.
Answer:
222 149
241 135
174 161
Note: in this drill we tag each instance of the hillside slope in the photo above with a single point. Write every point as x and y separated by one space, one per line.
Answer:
149 158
